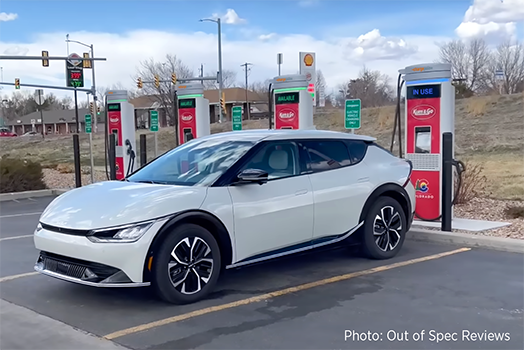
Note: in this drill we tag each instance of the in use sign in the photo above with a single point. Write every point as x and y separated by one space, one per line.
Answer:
88 123
352 114
237 118
153 121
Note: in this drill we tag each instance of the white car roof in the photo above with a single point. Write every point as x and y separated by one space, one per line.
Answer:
256 135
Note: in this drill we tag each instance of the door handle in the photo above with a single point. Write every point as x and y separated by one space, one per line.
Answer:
300 192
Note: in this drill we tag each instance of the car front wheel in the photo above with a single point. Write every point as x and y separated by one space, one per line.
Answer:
187 265
384 229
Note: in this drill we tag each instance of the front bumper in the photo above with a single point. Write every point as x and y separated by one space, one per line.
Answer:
83 272
76 259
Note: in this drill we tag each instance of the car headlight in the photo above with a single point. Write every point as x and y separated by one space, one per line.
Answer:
121 234
38 228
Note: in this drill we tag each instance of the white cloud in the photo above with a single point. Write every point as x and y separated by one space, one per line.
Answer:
339 58
308 3
494 20
16 51
231 17
373 46
266 37
5 17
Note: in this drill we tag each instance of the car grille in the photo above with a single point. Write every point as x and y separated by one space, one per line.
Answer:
75 268
64 268
65 231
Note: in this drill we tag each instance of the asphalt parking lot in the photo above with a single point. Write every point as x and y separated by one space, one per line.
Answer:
430 288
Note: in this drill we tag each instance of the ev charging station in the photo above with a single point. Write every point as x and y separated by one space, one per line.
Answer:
429 114
293 103
193 112
121 122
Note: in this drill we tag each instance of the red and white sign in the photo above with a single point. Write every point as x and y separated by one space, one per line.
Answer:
425 113
115 127
187 121
286 116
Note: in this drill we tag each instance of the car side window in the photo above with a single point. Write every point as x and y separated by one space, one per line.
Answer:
326 154
278 159
357 150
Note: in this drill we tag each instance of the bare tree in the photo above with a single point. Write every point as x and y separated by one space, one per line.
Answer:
260 87
469 61
320 84
229 80
22 103
371 87
163 94
510 59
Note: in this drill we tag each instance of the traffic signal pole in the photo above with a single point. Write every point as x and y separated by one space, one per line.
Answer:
49 87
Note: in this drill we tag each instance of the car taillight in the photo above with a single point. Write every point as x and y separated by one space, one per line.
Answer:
410 172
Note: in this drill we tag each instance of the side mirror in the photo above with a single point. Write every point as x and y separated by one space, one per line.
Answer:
252 176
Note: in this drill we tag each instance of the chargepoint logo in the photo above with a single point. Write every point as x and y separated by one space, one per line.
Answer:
187 117
423 112
114 120
286 114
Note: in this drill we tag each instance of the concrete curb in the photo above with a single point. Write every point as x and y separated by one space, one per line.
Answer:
31 194
509 245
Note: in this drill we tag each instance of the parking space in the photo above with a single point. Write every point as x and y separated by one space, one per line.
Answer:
426 287
19 217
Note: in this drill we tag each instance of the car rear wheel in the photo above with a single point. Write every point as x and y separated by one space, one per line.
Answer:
384 229
187 265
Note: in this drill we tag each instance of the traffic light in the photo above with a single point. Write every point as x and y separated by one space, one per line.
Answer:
223 102
173 78
45 63
157 81
92 108
86 63
98 110
139 83
17 83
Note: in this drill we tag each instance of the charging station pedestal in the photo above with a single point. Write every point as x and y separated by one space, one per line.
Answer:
121 122
292 102
193 112
429 113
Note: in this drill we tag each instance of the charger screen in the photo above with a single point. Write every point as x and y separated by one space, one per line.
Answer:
423 140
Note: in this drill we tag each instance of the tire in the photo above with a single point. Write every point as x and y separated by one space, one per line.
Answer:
375 238
182 285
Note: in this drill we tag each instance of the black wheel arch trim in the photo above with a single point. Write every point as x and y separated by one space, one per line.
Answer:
199 217
388 189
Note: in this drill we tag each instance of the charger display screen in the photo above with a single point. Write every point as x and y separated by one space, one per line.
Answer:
423 139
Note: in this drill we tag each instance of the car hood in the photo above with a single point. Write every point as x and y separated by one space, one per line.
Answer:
112 203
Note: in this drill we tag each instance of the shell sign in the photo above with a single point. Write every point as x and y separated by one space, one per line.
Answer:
308 60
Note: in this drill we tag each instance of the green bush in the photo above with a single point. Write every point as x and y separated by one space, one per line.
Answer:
20 175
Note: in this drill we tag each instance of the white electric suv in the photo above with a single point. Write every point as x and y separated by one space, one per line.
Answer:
225 201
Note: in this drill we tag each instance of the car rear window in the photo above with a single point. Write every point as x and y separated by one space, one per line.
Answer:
327 155
357 150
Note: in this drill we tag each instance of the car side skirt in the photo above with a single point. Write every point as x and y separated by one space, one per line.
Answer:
297 248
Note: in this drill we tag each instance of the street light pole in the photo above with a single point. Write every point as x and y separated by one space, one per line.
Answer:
220 82
93 88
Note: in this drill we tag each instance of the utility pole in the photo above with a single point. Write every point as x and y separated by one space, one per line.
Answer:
246 69
201 73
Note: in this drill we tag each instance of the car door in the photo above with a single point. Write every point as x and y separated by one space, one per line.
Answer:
274 218
340 187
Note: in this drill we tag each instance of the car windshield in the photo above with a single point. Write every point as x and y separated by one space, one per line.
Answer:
196 163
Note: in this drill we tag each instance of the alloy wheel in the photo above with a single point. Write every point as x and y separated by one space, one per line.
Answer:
387 227
190 265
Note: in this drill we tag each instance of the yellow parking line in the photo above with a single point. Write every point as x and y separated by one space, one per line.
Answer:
277 293
13 277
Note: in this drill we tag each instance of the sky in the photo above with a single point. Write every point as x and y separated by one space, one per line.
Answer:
346 35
